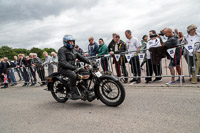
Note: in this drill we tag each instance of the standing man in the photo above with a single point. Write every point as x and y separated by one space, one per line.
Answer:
32 69
118 48
47 63
79 50
172 42
150 66
37 63
110 45
17 69
133 47
54 60
21 66
93 47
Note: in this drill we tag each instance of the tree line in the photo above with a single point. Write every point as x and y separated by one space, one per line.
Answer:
10 52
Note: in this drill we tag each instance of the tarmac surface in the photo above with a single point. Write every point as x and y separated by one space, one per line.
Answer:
152 109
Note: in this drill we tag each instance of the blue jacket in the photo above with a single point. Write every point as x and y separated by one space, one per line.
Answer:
93 49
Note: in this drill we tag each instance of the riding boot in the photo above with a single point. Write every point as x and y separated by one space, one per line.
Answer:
91 97
75 94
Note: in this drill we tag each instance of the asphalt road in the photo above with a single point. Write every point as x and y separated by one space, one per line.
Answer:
145 110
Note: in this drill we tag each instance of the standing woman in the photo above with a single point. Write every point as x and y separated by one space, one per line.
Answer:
103 49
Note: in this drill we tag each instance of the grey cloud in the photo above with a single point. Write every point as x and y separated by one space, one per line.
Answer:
21 10
28 26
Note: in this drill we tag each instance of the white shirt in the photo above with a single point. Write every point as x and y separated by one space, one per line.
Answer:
192 40
133 44
150 44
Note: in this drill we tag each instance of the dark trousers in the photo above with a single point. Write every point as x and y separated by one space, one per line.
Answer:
190 62
135 66
41 73
104 64
33 73
24 74
123 68
71 75
150 68
19 73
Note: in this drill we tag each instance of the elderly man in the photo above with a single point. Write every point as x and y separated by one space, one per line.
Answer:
171 42
192 38
37 63
54 60
47 63
21 65
17 69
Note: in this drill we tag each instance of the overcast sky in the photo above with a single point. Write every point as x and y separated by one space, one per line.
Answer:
43 23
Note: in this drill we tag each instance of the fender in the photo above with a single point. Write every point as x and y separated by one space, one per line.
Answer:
112 77
50 79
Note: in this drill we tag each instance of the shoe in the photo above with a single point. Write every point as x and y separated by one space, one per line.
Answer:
133 80
12 84
171 83
126 81
183 80
138 81
75 94
33 84
5 86
157 81
194 82
147 82
43 84
91 97
25 84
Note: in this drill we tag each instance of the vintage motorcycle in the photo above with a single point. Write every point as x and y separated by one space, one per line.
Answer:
107 88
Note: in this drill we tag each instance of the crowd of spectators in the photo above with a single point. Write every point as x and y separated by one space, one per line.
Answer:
27 68
154 47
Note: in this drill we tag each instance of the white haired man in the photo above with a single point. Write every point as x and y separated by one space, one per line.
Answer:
192 38
37 63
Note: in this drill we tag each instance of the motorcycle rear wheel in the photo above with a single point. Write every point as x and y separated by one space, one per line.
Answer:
59 92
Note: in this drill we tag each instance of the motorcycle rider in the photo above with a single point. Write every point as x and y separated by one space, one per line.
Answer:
66 63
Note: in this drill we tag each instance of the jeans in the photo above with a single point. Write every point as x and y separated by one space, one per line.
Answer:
12 75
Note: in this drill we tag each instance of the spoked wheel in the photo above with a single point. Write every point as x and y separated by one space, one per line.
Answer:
59 92
111 92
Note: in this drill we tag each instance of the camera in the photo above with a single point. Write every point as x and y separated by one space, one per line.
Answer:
161 33
153 35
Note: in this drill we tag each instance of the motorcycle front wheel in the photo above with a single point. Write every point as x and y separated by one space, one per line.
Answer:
59 92
111 93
